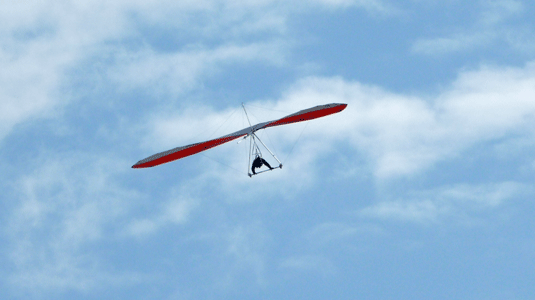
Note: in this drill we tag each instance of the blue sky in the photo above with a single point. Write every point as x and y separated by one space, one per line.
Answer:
421 189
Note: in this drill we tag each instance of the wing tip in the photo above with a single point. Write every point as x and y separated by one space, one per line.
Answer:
137 166
342 106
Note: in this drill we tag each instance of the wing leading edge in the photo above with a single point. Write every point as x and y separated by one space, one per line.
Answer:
181 152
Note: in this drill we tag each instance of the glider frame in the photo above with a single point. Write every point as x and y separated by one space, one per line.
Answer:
253 144
184 151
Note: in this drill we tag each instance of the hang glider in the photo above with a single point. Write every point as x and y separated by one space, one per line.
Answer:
184 151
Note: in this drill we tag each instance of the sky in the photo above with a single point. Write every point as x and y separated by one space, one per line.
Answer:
422 188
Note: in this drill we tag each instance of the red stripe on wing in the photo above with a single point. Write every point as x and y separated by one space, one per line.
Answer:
308 115
162 158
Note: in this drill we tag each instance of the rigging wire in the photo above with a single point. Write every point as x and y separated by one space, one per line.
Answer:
223 163
246 149
271 142
223 123
249 154
287 112
252 143
219 127
296 142
246 114
263 131
257 120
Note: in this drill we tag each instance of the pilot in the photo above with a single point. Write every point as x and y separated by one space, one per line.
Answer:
258 162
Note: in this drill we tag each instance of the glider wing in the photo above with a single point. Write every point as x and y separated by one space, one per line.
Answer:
181 152
309 114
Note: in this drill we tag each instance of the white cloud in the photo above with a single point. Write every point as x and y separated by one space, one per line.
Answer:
41 41
399 134
175 73
334 231
500 10
66 204
246 247
454 43
490 27
308 263
175 211
453 202
28 83
404 134
417 211
370 5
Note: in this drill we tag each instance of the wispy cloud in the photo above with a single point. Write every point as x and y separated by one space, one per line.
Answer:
328 232
42 41
498 11
69 206
405 134
490 27
175 211
401 135
246 248
308 264
62 210
69 202
174 73
373 6
451 44
419 211
459 203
